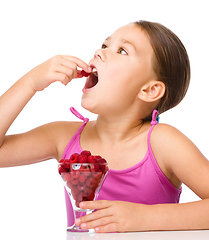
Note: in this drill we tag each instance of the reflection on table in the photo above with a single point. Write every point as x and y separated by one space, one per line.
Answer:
171 235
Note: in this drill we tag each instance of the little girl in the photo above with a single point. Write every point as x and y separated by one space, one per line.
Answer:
141 70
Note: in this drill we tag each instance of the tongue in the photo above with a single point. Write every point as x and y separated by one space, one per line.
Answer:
92 80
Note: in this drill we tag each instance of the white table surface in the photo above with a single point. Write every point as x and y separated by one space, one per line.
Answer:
44 232
170 235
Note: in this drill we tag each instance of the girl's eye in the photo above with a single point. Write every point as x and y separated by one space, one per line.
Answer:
122 51
104 46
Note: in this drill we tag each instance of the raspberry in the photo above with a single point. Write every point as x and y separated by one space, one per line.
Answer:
75 174
88 194
77 204
97 157
82 178
66 177
91 182
67 163
88 191
95 167
74 158
91 159
69 184
62 169
87 172
86 153
75 191
85 198
97 175
102 163
82 159
81 186
91 197
79 197
85 74
101 160
62 160
74 177
75 181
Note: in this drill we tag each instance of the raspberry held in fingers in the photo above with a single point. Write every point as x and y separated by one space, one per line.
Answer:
85 74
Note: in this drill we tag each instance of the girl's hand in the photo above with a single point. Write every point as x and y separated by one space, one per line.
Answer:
60 68
113 216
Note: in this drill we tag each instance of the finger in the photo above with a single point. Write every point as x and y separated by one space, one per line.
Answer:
63 78
109 228
102 213
69 72
97 223
72 65
98 204
80 63
69 64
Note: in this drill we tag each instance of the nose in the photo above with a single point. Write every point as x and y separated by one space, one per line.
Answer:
99 54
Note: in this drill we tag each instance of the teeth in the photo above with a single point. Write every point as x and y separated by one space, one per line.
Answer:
94 71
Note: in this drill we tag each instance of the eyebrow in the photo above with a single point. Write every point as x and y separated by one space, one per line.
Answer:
124 41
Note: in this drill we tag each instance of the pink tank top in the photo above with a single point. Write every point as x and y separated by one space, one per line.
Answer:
143 183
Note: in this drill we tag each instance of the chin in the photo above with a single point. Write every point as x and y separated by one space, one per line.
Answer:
89 106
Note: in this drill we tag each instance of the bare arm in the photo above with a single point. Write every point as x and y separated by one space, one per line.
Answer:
38 144
11 104
42 143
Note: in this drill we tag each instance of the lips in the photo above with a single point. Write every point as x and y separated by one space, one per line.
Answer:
92 79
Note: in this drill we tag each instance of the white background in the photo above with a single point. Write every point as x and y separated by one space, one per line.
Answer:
31 197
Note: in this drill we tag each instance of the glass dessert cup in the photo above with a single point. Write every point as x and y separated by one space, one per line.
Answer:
83 182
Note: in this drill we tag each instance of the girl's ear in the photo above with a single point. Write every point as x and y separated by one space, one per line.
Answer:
152 91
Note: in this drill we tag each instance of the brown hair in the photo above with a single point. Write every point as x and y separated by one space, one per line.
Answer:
171 65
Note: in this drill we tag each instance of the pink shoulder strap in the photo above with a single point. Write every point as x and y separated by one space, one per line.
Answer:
155 120
75 139
78 115
155 117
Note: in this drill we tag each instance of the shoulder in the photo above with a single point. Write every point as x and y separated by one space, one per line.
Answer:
172 150
62 128
168 136
64 125
167 141
180 159
165 129
164 134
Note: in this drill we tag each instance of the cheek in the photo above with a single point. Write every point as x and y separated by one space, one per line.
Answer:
123 93
121 82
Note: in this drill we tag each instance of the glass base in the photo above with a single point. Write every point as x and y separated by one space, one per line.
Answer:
78 214
76 228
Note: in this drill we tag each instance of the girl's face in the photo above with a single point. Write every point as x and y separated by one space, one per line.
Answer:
123 65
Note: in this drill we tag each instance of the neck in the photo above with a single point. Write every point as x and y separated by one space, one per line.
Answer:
114 129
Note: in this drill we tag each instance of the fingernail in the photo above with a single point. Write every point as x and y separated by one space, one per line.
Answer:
83 225
82 204
89 69
77 221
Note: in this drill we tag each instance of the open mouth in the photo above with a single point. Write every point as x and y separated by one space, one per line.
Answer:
92 79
